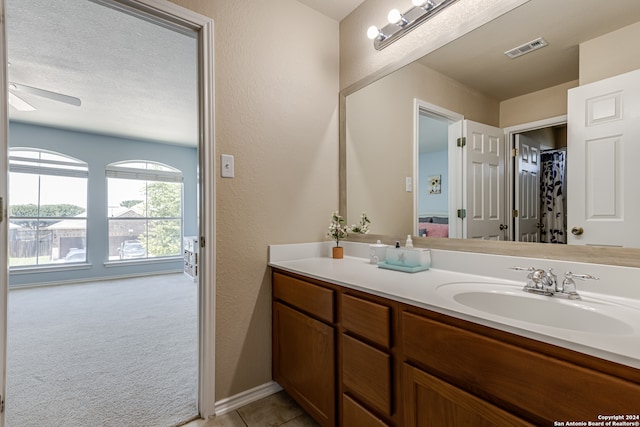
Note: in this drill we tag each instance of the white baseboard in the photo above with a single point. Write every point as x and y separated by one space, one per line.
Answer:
234 402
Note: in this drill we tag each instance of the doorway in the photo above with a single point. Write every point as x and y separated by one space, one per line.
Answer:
538 184
167 14
437 171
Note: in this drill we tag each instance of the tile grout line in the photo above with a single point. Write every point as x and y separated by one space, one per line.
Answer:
242 418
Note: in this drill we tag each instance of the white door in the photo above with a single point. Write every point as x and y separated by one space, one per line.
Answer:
604 146
4 146
483 163
527 189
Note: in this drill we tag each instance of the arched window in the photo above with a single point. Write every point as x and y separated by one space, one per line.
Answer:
144 210
48 208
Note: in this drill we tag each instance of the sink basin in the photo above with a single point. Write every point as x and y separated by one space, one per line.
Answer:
507 301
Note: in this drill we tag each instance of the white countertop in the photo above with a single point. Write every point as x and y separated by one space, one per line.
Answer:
421 290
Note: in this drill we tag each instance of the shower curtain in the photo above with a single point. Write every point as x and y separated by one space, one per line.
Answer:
552 192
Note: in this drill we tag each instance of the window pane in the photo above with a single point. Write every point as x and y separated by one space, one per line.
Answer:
123 233
31 243
126 198
23 194
164 199
63 196
69 240
164 238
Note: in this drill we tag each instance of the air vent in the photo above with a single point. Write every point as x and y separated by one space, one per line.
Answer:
526 48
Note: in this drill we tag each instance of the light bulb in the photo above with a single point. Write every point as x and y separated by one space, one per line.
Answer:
373 32
394 16
425 4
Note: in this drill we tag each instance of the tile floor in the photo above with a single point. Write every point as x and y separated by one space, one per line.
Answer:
275 410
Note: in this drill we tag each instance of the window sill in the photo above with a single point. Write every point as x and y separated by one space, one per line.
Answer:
48 268
141 261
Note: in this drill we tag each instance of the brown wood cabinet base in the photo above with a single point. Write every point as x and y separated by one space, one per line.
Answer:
353 359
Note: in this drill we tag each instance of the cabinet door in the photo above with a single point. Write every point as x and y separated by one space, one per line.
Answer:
433 402
303 361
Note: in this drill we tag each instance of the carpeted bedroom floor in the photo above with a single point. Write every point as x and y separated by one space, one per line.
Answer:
108 353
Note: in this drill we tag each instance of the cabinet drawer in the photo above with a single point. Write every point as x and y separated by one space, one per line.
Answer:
544 388
353 414
367 319
366 371
310 298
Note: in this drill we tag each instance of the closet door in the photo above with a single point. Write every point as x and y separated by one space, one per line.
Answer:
527 186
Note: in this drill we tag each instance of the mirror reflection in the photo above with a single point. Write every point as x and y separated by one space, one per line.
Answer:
469 143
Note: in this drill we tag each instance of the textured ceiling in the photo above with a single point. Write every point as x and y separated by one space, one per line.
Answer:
336 9
135 78
478 60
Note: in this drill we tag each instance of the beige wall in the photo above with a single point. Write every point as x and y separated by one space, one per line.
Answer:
609 55
359 61
602 57
543 104
276 100
380 140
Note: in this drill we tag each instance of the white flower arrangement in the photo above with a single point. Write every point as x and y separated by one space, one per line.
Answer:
361 227
337 229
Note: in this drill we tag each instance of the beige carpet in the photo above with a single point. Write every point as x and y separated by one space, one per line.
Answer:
112 353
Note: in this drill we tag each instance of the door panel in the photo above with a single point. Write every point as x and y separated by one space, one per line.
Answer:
527 186
603 135
484 183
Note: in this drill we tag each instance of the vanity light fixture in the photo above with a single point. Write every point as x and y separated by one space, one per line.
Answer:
401 23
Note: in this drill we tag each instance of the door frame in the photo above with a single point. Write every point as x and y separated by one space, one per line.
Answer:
510 168
454 160
162 10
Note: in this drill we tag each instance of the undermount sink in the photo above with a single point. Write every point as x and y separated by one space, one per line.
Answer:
508 301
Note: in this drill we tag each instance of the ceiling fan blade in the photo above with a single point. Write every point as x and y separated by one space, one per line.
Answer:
71 100
19 103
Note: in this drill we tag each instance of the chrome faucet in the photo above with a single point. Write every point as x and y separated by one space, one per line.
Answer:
543 282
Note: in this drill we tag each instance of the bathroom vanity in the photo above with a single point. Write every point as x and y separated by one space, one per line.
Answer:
356 345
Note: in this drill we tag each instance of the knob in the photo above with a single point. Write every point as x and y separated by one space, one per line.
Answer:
577 231
503 226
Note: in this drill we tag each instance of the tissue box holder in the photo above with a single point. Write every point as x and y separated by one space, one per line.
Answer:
407 259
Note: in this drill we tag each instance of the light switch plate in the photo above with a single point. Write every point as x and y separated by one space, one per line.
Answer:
226 166
408 184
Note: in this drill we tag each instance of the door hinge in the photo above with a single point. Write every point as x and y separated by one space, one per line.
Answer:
202 241
514 213
1 404
462 213
461 142
514 152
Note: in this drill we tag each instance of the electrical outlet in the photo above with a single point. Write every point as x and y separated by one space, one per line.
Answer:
408 185
226 166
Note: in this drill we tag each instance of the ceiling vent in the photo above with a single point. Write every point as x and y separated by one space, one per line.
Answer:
526 48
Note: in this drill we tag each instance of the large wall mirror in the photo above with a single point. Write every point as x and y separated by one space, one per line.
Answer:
401 162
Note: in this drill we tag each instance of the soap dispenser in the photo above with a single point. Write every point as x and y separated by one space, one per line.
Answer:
409 242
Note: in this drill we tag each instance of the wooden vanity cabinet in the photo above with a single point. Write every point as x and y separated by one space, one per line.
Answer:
366 361
304 345
357 360
534 381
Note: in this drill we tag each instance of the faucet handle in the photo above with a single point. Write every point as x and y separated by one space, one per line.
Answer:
570 275
569 285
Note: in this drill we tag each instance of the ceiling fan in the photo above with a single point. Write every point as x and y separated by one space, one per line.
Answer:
21 105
